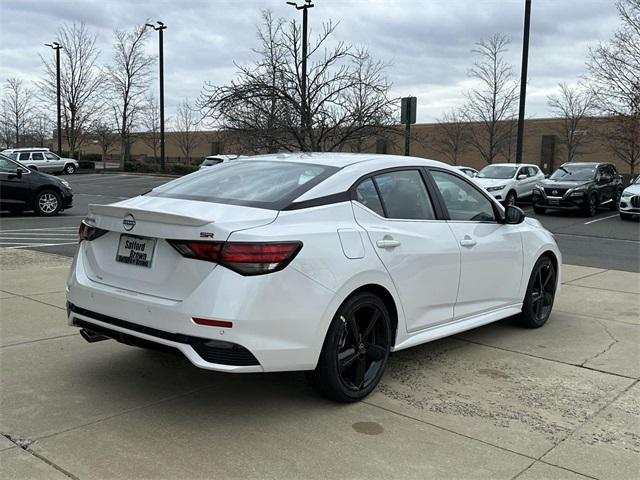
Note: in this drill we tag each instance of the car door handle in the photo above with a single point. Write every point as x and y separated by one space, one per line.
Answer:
468 242
388 243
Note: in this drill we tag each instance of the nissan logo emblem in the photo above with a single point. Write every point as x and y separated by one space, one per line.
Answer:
554 192
128 222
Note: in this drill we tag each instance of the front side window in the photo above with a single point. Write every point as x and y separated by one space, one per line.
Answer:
6 166
404 195
463 201
37 156
253 183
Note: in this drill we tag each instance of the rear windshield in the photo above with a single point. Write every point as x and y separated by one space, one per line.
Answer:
211 161
263 184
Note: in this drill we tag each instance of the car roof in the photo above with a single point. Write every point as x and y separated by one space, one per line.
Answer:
341 160
586 163
513 165
26 149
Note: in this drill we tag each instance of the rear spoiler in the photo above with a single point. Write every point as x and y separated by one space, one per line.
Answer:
148 215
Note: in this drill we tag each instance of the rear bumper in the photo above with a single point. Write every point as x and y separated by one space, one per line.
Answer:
279 320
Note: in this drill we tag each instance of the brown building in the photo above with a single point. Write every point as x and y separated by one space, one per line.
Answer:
543 146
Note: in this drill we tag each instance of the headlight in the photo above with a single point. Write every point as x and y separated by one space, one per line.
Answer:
495 189
626 194
65 183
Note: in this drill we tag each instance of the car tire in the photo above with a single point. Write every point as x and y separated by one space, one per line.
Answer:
355 350
539 210
47 203
69 169
511 198
541 291
625 216
615 203
591 207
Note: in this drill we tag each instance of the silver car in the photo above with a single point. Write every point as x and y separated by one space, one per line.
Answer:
43 160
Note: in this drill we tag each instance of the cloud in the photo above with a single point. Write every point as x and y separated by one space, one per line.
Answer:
428 42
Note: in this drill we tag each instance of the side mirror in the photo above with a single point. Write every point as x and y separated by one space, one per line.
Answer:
522 176
513 215
19 173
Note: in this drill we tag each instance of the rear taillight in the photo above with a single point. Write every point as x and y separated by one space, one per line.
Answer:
89 232
245 258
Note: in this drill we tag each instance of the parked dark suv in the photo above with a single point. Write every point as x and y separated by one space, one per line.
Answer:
579 186
24 189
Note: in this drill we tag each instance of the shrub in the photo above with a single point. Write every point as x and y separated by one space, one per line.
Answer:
91 157
86 164
138 167
182 169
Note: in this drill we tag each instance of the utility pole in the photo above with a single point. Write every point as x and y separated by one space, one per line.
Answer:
57 47
303 87
523 79
159 28
408 108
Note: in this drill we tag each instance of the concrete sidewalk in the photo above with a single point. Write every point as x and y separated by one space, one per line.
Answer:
496 402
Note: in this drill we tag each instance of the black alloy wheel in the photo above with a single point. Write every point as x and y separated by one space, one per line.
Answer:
540 295
355 351
615 201
591 208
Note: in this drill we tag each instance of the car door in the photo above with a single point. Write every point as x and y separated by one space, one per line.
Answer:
491 252
604 183
54 162
25 159
524 185
37 159
419 252
14 190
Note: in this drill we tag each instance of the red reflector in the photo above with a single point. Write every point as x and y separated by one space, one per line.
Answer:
213 323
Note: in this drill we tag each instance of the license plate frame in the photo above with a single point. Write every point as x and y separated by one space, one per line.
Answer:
144 246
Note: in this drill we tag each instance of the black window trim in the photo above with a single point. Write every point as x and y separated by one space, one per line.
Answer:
437 212
498 215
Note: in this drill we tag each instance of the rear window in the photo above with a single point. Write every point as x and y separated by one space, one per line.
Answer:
211 161
263 184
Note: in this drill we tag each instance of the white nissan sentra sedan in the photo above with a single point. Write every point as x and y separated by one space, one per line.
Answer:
316 262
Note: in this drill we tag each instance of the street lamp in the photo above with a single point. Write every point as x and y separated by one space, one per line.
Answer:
523 79
57 47
304 7
159 28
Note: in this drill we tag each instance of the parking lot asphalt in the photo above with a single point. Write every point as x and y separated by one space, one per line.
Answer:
497 402
604 241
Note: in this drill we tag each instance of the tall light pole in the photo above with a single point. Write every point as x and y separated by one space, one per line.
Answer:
159 28
303 87
523 79
57 47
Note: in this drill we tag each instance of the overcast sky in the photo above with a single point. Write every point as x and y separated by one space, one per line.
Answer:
428 42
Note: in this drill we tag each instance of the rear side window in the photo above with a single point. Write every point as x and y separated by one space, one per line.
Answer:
404 195
37 156
24 156
263 184
367 195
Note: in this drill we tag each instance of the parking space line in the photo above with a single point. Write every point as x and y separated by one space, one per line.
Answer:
603 218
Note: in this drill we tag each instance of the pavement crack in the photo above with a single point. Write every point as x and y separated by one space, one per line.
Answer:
614 340
23 443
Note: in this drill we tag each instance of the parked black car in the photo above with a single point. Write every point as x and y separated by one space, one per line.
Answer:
579 186
24 189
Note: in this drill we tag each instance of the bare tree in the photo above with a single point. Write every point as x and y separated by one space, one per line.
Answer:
186 124
614 79
105 132
574 106
150 124
129 77
81 82
17 109
40 129
452 136
491 105
347 96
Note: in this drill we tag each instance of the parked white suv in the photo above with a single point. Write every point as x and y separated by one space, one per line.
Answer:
509 182
43 160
